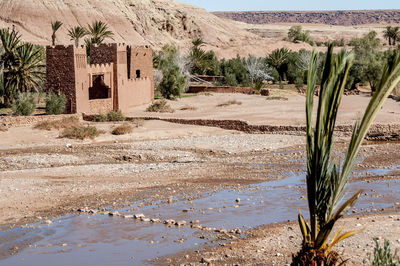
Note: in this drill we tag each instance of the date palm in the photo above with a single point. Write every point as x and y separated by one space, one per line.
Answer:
55 26
278 60
99 31
28 70
77 33
326 181
10 41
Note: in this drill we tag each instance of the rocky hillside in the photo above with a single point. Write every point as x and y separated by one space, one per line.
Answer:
343 18
153 22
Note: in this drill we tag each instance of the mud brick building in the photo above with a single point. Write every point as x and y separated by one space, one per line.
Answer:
118 77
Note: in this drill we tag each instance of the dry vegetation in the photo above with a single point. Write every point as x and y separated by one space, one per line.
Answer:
67 122
123 129
160 106
277 98
3 128
228 103
188 108
81 132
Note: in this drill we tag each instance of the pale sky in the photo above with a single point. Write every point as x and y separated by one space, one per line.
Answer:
258 5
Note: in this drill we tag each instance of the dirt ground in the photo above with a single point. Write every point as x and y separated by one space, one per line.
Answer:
289 110
43 176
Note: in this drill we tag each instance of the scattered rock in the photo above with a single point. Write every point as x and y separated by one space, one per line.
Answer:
139 216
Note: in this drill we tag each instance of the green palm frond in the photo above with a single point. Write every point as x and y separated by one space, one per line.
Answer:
55 26
325 181
99 32
76 33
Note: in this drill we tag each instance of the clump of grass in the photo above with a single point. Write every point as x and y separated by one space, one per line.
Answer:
112 116
81 132
55 104
383 256
188 108
160 106
24 104
276 98
228 103
137 122
123 129
67 122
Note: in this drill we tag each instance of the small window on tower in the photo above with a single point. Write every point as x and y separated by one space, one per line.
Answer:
138 74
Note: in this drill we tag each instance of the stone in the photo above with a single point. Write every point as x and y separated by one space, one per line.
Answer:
238 200
48 222
155 220
144 219
139 216
169 222
113 214
180 223
127 216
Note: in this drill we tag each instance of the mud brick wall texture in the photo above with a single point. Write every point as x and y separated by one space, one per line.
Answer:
103 54
220 89
60 74
14 121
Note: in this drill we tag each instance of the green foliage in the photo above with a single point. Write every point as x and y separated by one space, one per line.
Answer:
296 33
203 62
278 59
369 61
55 104
173 82
55 26
112 116
24 104
21 64
235 72
383 256
77 33
115 116
326 181
392 34
98 31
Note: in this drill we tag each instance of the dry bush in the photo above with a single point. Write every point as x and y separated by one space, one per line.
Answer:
277 98
188 108
112 116
81 132
3 128
228 103
160 106
137 122
396 91
67 122
123 129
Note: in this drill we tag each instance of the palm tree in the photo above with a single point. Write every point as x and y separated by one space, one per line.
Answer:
77 33
55 26
395 35
202 61
278 60
10 41
28 70
325 180
98 32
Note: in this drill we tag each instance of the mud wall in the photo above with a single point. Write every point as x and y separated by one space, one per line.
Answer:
220 89
136 92
60 73
13 121
100 106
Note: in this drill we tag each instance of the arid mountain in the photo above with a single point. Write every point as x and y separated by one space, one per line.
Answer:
139 22
343 18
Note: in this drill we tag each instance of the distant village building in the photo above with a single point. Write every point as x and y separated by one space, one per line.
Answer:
118 77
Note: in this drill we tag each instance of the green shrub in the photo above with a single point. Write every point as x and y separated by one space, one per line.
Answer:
81 132
55 104
24 104
383 256
173 82
114 116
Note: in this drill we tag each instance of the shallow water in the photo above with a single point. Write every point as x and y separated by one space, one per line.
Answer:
102 240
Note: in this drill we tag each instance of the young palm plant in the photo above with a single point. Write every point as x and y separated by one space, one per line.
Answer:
278 60
326 182
77 33
55 26
10 41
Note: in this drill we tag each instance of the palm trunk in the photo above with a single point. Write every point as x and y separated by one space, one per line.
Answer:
77 42
53 39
